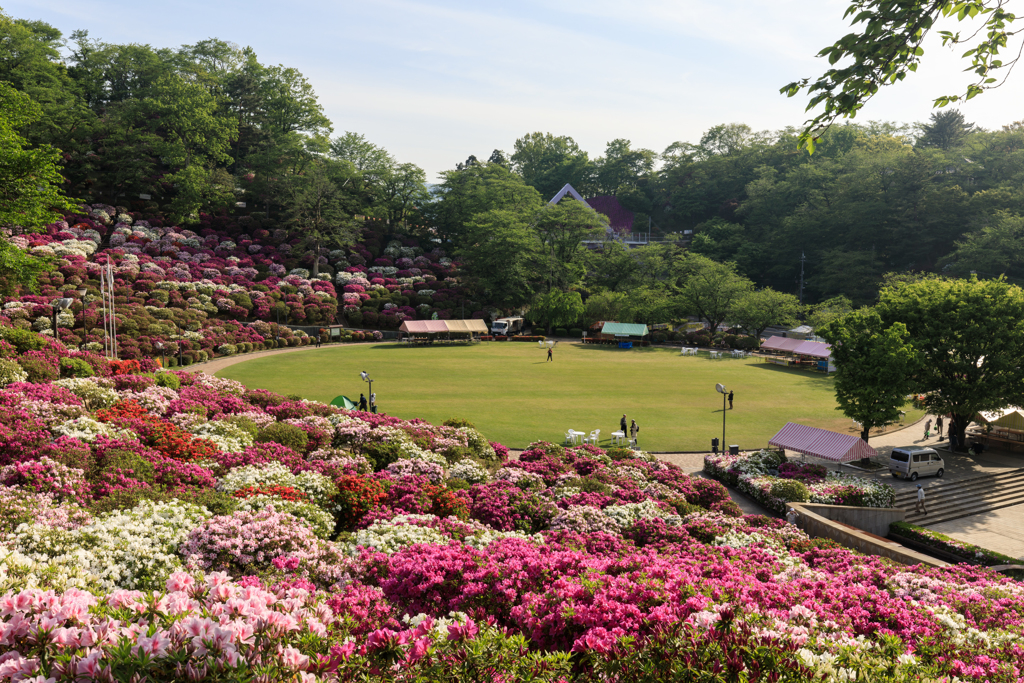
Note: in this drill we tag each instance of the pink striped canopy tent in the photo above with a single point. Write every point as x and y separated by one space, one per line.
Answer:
775 343
821 443
798 347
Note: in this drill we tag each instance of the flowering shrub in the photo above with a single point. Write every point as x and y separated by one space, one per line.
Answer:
565 564
772 481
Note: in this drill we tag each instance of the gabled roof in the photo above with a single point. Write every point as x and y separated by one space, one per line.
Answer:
424 326
619 218
571 191
821 443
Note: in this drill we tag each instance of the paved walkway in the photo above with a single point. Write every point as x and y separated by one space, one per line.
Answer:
216 365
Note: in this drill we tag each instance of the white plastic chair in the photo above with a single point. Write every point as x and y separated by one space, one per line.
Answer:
570 436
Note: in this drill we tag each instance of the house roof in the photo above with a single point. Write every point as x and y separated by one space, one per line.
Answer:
821 443
568 189
619 218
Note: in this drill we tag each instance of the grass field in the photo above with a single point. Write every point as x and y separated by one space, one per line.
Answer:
514 396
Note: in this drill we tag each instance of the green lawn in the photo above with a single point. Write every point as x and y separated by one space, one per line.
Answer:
513 396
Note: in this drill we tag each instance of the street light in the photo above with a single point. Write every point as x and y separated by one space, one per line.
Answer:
366 378
63 305
720 388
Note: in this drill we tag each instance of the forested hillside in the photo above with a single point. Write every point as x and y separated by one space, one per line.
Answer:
208 129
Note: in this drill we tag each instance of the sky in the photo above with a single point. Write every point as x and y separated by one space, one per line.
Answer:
436 81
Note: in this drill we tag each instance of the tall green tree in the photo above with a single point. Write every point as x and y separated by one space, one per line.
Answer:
30 188
970 337
548 162
945 130
500 256
557 308
463 194
875 367
196 139
316 211
561 229
711 290
759 309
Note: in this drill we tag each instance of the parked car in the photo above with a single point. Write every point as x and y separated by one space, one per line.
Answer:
911 462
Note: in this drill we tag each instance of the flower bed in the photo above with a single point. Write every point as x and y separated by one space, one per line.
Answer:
296 541
222 286
768 478
969 552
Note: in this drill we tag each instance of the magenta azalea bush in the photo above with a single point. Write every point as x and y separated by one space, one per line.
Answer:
156 536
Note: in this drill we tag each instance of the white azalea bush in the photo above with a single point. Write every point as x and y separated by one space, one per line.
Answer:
133 549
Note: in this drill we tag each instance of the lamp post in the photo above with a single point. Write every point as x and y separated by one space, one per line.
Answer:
366 378
60 305
720 388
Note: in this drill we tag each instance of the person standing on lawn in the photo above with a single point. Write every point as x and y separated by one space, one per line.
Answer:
633 431
730 400
362 402
373 403
622 426
551 356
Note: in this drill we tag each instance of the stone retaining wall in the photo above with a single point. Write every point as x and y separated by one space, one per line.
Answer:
842 525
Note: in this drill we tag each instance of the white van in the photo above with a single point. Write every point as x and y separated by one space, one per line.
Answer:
911 462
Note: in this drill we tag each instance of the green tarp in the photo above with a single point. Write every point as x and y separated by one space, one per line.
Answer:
344 402
625 329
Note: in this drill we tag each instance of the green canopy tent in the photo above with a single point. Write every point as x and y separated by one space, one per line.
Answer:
344 402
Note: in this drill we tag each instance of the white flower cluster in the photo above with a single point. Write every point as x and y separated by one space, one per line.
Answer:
319 488
131 549
229 438
88 430
92 393
624 515
390 536
468 471
11 372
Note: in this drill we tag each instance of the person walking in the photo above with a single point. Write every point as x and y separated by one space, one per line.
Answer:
373 403
362 403
919 507
551 355
927 428
318 341
633 431
938 426
730 401
622 426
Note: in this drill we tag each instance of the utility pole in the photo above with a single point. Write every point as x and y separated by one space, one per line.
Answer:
802 259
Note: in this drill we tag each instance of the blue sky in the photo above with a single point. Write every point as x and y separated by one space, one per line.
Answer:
434 82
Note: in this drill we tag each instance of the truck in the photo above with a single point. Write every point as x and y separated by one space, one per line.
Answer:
506 327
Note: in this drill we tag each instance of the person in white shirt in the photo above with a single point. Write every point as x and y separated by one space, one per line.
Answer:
791 516
373 402
920 501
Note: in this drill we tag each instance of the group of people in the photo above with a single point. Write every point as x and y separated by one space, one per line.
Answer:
633 429
952 432
373 402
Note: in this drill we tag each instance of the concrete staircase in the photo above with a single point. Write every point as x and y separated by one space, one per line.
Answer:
948 500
